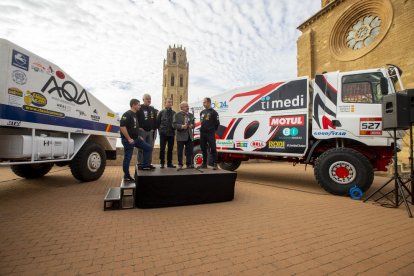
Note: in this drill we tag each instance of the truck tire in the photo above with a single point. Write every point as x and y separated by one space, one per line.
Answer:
31 171
339 169
230 166
89 163
197 156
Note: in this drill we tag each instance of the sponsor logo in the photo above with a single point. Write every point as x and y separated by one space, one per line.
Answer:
370 126
276 144
20 60
81 113
242 144
296 146
95 118
60 75
109 114
38 67
63 107
68 91
19 77
225 143
35 98
290 131
258 144
287 120
15 91
219 105
329 133
50 70
14 123
346 108
266 104
43 111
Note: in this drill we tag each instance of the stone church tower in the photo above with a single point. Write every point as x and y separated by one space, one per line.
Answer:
175 78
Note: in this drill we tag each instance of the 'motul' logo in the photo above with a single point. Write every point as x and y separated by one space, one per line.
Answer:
287 121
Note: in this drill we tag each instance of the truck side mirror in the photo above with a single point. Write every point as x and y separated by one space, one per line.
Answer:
384 86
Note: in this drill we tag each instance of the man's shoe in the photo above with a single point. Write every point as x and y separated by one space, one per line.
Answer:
215 167
140 168
129 179
190 166
171 166
152 167
180 167
162 166
148 168
203 166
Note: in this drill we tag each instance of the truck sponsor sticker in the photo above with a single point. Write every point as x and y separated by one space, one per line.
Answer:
34 98
277 144
15 96
38 67
67 91
257 144
329 133
42 111
224 143
19 77
242 144
297 120
370 126
20 60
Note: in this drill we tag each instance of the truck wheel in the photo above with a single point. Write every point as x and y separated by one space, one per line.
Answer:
230 166
197 156
89 163
339 169
31 171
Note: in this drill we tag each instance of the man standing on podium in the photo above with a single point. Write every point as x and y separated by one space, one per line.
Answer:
130 138
166 131
184 123
209 119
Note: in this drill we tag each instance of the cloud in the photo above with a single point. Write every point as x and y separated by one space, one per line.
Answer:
115 48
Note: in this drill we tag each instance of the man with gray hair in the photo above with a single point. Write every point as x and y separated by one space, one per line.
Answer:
183 123
147 118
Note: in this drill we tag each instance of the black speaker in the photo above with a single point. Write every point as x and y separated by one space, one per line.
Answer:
410 94
396 111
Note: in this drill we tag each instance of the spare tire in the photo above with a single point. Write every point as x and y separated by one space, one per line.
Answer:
31 171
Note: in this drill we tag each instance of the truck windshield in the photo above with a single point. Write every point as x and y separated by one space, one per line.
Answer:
362 88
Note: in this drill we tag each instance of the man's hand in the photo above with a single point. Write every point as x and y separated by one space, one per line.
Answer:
131 141
141 129
184 126
191 126
140 137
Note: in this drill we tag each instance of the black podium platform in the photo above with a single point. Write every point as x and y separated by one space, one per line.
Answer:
169 187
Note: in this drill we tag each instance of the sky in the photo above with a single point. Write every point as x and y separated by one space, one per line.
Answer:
115 48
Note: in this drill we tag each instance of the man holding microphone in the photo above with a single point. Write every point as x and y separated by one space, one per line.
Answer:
184 123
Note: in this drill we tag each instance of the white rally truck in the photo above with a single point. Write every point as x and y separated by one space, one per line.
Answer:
333 122
47 118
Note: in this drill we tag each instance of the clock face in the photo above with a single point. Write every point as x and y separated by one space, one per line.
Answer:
363 32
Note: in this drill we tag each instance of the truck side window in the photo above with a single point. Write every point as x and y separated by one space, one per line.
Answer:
361 88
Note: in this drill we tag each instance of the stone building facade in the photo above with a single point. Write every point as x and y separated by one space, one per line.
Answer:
348 35
175 76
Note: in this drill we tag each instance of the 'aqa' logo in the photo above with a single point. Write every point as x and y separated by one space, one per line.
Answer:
68 91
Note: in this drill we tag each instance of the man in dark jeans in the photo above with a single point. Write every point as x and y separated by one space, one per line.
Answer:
209 119
130 139
166 131
184 124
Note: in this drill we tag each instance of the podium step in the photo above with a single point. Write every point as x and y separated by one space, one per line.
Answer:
127 194
112 200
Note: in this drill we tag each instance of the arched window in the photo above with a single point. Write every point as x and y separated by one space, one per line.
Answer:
174 57
172 80
181 81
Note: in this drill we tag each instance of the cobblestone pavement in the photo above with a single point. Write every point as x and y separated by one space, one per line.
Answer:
280 223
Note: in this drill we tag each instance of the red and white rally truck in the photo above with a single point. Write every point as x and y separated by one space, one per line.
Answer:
333 122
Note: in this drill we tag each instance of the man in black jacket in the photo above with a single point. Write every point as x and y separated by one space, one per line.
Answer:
147 118
166 131
209 119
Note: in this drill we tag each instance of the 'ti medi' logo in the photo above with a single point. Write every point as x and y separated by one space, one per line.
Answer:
20 60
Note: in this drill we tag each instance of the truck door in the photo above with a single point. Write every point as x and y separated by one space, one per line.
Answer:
359 104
